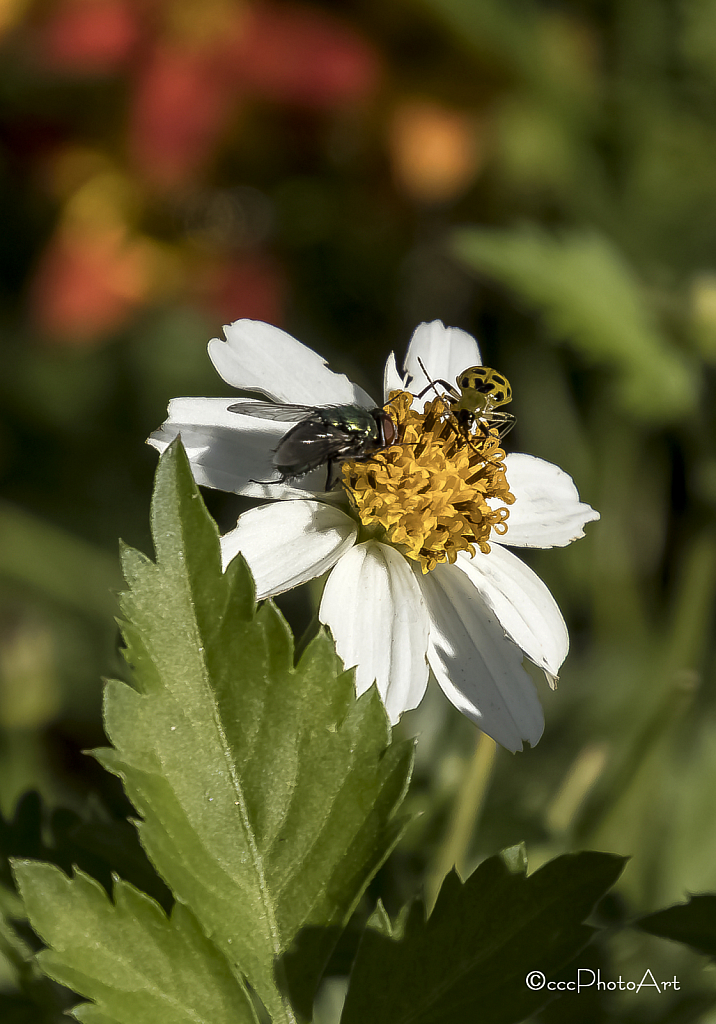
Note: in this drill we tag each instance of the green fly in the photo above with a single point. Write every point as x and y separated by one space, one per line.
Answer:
324 436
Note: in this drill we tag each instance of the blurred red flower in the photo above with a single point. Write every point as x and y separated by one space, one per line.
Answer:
86 286
189 66
181 103
88 36
297 54
251 286
188 89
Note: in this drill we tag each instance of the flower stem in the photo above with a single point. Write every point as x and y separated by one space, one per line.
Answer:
461 828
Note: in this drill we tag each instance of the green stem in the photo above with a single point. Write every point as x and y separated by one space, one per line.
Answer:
468 805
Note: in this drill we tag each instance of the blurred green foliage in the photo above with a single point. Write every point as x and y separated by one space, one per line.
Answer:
540 174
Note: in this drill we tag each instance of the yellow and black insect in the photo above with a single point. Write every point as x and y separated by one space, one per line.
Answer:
476 406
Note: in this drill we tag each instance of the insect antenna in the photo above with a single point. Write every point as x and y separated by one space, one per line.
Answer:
432 384
459 429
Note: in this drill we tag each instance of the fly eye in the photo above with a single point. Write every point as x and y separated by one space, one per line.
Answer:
388 429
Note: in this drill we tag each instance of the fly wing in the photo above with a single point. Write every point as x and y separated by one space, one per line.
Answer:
269 411
310 444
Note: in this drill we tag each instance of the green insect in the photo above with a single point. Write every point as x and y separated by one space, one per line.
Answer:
475 407
324 436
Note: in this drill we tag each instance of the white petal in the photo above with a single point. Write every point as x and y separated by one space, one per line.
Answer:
288 543
373 606
478 668
444 351
392 381
257 356
547 511
228 451
522 603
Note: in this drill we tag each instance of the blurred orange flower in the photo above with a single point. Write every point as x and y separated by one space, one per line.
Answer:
435 151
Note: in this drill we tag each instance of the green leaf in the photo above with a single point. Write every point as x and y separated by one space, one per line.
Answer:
135 963
26 995
469 960
504 34
693 923
99 842
21 835
268 793
103 845
590 297
14 952
380 921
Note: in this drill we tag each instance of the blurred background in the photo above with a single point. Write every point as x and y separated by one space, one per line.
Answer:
542 174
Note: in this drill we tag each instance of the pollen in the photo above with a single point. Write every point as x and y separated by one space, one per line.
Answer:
431 493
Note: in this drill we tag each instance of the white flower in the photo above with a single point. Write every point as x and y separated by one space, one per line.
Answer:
471 619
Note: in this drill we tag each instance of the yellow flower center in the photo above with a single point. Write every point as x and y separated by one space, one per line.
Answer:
429 491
